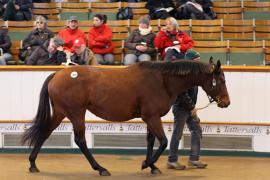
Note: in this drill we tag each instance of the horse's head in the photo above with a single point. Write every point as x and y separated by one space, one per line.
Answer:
215 86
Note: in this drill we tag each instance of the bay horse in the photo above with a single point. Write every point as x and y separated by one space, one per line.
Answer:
146 90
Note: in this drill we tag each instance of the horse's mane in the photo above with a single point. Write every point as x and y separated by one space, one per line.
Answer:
181 67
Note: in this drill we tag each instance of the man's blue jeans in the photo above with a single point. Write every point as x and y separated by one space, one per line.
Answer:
182 116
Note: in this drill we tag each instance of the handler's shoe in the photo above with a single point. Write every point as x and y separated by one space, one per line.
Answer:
175 165
197 164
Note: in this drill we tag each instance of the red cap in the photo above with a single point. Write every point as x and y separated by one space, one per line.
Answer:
79 42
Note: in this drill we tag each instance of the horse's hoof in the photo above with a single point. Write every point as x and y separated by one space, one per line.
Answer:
104 173
155 171
34 170
144 165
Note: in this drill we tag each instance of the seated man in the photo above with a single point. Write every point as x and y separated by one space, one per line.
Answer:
82 55
17 10
51 55
71 33
5 45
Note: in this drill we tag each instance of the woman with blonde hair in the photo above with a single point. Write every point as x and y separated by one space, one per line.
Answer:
37 37
172 42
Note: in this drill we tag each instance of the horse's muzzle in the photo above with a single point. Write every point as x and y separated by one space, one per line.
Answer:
223 104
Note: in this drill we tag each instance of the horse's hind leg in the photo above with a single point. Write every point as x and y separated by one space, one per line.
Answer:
150 145
79 132
56 120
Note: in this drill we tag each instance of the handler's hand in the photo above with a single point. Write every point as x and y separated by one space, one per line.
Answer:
193 112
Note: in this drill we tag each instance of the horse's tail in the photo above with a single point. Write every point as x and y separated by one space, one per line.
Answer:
42 120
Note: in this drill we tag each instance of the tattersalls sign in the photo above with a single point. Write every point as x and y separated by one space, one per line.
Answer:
141 128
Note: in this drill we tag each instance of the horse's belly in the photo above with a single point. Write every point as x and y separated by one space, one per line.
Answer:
112 113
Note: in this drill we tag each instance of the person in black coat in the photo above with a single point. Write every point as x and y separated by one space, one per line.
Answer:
184 111
37 37
5 45
160 9
194 9
17 10
51 55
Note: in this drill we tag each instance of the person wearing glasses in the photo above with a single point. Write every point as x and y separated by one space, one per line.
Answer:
37 37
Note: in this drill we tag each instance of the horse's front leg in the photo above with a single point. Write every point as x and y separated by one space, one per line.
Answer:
155 128
150 145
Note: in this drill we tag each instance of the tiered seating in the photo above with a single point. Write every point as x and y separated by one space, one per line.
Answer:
239 29
50 10
216 49
228 10
18 30
267 52
246 52
56 26
81 10
257 10
204 29
262 30
110 9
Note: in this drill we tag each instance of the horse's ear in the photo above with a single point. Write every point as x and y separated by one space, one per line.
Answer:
211 60
217 67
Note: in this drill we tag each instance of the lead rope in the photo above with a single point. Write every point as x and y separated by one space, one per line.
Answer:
207 105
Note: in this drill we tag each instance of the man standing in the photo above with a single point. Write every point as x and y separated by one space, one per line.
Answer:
184 111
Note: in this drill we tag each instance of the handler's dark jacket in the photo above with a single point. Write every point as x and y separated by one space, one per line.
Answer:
187 100
41 56
136 38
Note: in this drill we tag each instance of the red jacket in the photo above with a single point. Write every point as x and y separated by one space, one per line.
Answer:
69 36
100 39
163 41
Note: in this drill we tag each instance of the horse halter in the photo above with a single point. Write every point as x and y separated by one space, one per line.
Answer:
214 86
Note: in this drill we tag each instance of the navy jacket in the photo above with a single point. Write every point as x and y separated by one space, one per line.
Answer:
5 42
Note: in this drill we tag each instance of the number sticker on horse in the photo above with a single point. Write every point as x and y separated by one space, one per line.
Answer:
73 74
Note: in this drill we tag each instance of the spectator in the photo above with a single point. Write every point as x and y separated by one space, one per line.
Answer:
82 55
172 42
5 45
17 10
140 43
185 112
37 37
48 55
160 9
194 9
100 40
71 33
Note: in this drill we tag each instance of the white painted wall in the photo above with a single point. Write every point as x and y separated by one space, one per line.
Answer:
249 93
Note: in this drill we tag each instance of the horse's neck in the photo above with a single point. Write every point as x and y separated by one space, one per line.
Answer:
179 84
